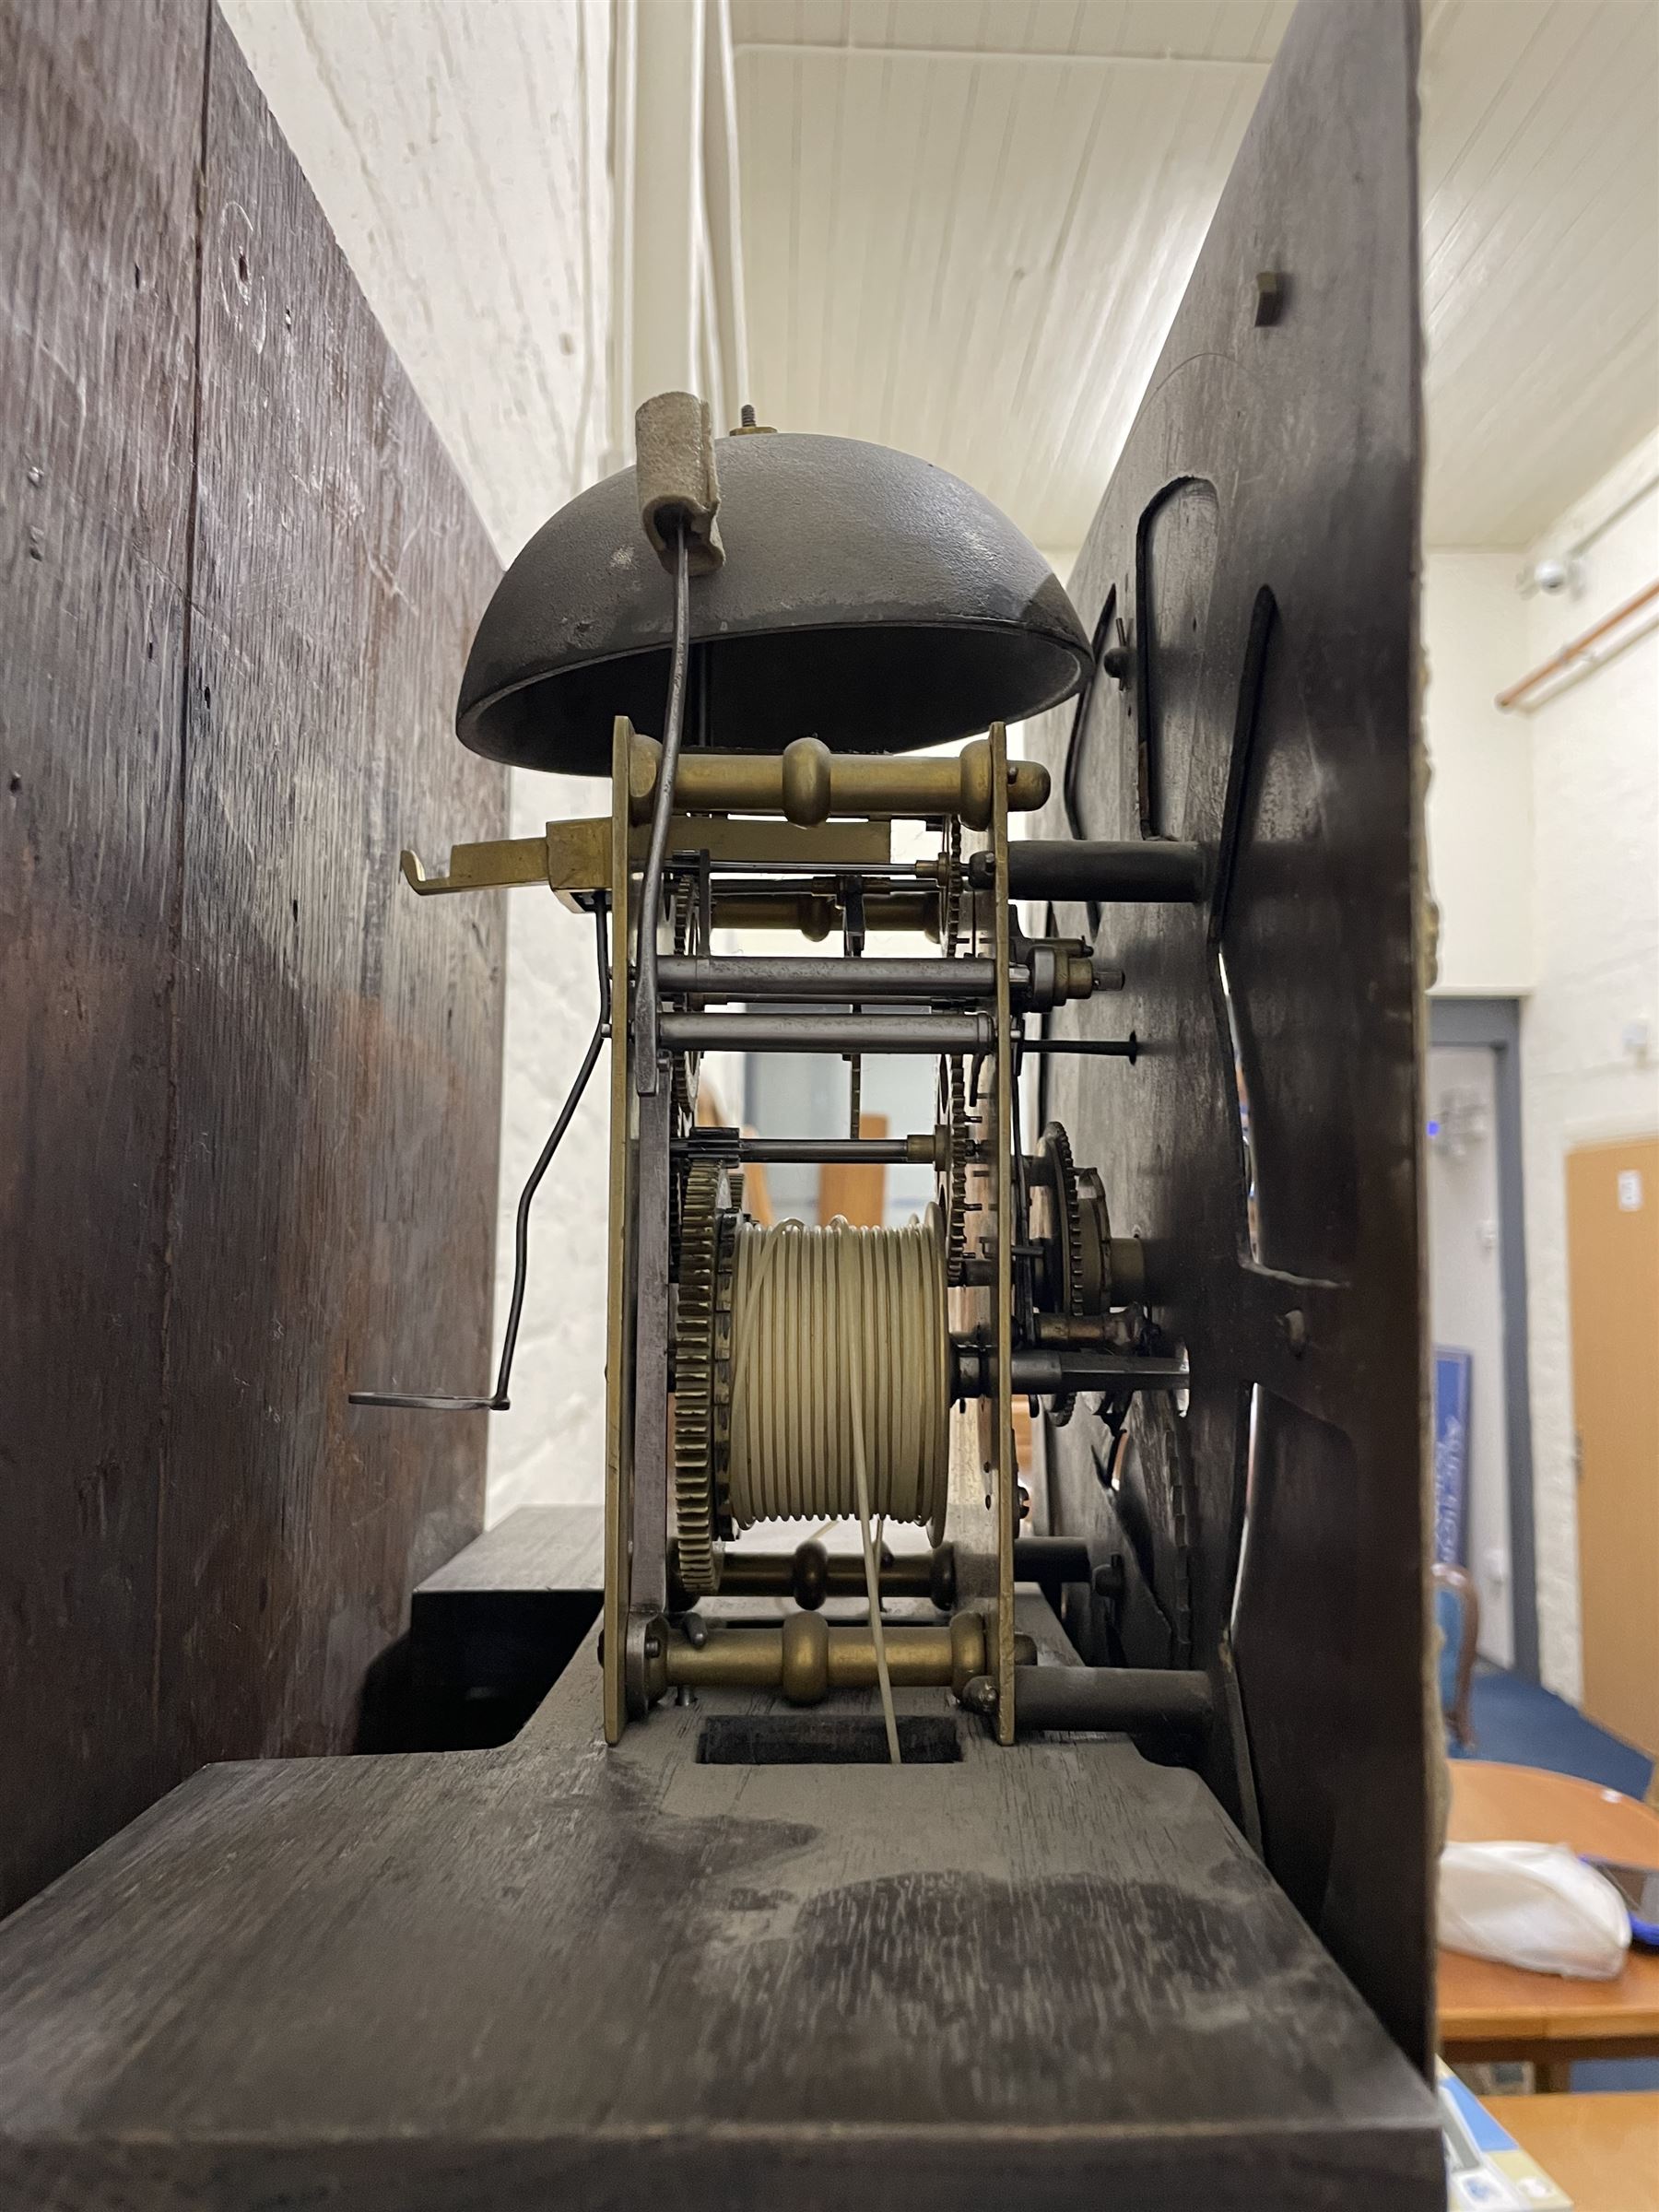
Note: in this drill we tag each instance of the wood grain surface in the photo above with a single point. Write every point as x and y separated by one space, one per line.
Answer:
100 117
1603 2148
1265 1145
340 1040
1490 2011
558 1974
251 1094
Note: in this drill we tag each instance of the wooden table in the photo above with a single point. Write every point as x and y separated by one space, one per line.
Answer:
1488 2011
1603 2151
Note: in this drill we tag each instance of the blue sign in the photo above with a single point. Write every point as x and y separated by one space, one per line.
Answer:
1451 1456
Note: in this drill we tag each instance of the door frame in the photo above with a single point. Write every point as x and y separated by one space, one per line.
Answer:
1495 1023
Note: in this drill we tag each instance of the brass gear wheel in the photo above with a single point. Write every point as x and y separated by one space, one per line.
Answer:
950 888
1053 1149
953 1176
701 1343
1054 1153
682 1066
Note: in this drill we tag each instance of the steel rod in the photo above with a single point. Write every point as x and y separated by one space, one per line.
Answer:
805 976
815 911
837 1151
1111 1698
928 1033
1041 1371
499 1402
1089 1048
905 871
1157 870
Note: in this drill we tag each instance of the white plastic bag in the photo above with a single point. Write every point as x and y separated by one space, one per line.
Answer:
1533 1905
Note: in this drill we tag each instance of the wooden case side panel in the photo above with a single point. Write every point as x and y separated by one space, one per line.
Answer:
100 118
339 1068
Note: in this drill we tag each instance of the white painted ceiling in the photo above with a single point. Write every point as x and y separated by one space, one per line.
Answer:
967 225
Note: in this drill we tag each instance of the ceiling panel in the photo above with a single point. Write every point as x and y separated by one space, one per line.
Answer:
967 224
1540 212
976 258
1219 29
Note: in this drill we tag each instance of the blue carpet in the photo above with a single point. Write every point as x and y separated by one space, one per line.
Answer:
1526 1726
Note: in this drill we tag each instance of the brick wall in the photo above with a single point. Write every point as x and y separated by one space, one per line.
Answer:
1596 913
466 149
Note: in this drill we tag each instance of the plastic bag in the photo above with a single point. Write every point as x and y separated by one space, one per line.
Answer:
1535 1905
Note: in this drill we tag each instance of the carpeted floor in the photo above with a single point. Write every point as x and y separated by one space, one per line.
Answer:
1526 1726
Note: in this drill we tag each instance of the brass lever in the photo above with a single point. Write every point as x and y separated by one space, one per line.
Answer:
497 862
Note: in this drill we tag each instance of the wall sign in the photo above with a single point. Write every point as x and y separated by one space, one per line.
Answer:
1451 1370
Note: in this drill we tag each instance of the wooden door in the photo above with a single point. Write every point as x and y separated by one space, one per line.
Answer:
857 1193
1613 1281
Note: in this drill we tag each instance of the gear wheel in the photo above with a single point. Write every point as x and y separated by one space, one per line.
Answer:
1055 1154
1053 1149
950 888
953 1175
683 1067
696 1349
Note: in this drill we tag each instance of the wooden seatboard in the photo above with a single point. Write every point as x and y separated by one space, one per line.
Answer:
621 1977
556 1547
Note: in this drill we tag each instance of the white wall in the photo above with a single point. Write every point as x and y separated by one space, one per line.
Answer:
460 153
1480 799
1465 1305
1595 921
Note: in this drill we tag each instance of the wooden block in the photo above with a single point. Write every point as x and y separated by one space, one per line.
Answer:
555 1973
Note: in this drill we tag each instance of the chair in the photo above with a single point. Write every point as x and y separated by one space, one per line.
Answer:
1458 1616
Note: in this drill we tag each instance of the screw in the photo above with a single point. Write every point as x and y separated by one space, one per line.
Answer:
1109 1577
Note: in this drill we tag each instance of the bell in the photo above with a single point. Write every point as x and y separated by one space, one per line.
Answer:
867 599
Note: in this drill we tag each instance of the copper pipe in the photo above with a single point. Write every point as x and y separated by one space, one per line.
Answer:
1578 648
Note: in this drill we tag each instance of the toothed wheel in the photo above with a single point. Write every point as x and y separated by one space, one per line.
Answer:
1055 1152
682 1066
953 1176
701 1354
1054 1156
950 886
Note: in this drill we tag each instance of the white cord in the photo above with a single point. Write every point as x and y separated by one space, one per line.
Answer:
840 1387
824 1318
873 1575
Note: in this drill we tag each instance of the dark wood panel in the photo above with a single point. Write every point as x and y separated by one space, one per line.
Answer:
100 120
339 1041
558 1974
251 1093
1259 544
